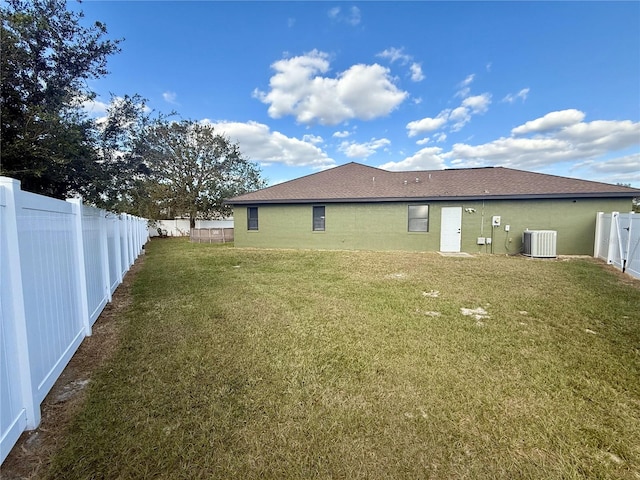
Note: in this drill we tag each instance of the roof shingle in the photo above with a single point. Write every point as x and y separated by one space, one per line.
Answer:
354 182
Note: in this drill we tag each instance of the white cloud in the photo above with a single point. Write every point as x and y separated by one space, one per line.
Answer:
463 92
458 117
428 158
314 139
342 134
478 103
363 150
439 138
557 137
522 95
262 145
550 121
352 16
427 124
512 152
626 164
298 88
170 97
416 72
95 108
468 80
394 54
625 170
463 86
470 106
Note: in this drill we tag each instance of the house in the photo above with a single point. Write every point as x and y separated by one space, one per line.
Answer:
355 206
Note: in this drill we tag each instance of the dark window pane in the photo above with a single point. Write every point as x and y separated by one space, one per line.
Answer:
252 218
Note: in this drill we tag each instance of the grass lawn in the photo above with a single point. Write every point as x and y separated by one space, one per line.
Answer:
260 364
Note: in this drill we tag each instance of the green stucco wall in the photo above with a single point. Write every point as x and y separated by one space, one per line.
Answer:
383 226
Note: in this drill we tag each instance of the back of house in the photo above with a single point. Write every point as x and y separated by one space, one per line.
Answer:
357 207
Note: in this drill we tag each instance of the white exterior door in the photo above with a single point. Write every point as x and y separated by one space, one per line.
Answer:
450 229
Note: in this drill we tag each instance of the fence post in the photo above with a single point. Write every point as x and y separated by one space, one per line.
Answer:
117 247
125 244
132 254
613 234
104 253
81 278
596 244
629 229
19 320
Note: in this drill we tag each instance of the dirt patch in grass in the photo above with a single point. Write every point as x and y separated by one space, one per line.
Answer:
31 455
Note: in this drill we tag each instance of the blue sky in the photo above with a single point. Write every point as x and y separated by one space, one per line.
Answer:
303 86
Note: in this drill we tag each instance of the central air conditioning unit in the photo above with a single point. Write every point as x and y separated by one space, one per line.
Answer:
540 243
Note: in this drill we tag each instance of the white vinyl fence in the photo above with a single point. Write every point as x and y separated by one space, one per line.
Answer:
59 264
617 241
179 227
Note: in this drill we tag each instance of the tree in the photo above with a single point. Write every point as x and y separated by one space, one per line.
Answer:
635 202
196 169
47 141
119 136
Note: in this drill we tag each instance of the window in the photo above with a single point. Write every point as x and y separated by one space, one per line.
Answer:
418 218
318 219
252 218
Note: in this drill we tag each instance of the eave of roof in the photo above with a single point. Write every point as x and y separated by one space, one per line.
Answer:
448 198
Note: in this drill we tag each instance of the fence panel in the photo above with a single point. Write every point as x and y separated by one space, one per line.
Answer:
629 234
618 241
179 227
211 235
114 246
98 293
125 253
46 230
59 263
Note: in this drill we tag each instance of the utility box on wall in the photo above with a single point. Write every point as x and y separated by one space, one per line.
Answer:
540 243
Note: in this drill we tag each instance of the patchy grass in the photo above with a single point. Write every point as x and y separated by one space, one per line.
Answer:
295 364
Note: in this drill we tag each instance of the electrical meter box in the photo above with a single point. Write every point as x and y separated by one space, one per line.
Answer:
495 221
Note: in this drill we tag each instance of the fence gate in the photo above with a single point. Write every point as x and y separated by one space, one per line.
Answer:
618 241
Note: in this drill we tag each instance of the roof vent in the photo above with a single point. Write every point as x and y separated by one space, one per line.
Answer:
417 180
405 182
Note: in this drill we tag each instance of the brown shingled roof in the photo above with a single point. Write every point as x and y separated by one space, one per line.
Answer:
354 182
